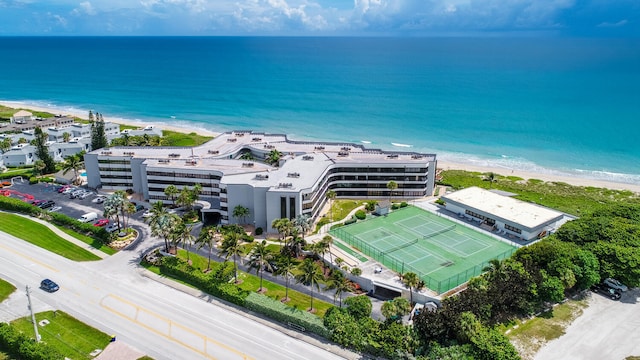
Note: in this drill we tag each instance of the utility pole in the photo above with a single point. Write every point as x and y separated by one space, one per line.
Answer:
33 316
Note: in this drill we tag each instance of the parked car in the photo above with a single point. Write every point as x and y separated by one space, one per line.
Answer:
101 222
88 217
86 194
99 199
607 291
49 286
55 208
69 190
139 207
147 213
615 284
47 204
75 194
111 228
37 202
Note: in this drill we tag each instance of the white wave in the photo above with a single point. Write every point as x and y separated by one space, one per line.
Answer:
401 145
365 142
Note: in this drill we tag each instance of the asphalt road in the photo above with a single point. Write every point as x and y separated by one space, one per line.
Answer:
606 330
159 320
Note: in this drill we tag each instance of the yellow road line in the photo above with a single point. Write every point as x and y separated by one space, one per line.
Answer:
29 258
171 324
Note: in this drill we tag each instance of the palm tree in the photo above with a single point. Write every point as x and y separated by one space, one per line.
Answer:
285 269
310 275
66 137
73 162
246 156
207 238
113 206
240 212
38 166
183 232
494 269
273 157
5 145
164 227
231 247
321 248
339 283
411 281
392 186
283 226
259 259
171 191
328 240
129 209
331 195
491 177
158 217
303 223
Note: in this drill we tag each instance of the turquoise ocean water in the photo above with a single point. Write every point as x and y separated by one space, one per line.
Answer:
568 106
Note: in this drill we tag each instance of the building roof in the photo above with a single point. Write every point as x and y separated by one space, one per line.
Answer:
504 207
22 113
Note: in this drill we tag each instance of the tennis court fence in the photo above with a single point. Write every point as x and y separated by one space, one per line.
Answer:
442 231
398 265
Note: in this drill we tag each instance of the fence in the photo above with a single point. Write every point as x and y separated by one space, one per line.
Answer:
398 265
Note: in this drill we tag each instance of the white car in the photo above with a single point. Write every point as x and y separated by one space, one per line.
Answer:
86 194
69 190
99 199
55 208
615 284
147 213
111 228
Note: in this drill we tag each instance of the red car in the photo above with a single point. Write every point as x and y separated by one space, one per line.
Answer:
101 222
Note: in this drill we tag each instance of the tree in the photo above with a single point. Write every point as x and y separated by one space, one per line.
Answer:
98 136
285 269
359 307
310 275
411 281
241 212
207 239
259 260
129 209
339 283
184 236
392 186
273 157
38 166
171 191
42 150
5 145
491 177
231 247
73 163
393 310
66 137
161 222
114 206
331 195
303 223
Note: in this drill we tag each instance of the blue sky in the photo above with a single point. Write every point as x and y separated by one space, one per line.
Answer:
321 17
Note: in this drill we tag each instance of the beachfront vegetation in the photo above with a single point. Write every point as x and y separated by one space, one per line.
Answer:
575 200
173 138
7 112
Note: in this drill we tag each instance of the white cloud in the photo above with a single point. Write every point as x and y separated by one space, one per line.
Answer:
84 7
613 25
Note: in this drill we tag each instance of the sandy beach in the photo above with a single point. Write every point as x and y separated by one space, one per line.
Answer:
442 164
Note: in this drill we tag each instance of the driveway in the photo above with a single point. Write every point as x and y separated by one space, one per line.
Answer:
606 330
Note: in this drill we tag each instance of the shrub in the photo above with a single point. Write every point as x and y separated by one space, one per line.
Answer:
33 180
395 206
351 221
403 204
259 231
440 202
371 205
19 206
356 271
360 215
285 314
23 347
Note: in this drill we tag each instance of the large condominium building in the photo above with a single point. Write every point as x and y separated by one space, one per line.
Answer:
229 177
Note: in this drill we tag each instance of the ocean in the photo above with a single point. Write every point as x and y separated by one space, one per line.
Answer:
550 105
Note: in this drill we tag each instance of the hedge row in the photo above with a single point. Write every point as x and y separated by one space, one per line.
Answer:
19 206
215 282
20 346
285 314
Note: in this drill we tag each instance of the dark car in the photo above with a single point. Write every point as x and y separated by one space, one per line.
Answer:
607 291
47 204
139 207
49 286
38 202
272 268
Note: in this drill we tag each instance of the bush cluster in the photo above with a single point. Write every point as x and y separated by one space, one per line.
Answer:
285 314
361 215
20 346
259 231
351 221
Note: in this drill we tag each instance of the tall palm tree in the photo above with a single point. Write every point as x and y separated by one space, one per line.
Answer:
66 137
303 223
285 269
158 215
392 186
171 191
73 162
184 236
241 212
328 240
310 275
38 166
331 195
113 206
164 227
411 281
491 177
231 247
283 226
321 248
259 259
129 209
339 283
207 238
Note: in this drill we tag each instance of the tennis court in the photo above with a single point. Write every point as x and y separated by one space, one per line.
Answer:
442 252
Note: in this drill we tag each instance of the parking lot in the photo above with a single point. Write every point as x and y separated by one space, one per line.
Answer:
74 208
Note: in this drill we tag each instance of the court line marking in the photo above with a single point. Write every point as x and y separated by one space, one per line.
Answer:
171 323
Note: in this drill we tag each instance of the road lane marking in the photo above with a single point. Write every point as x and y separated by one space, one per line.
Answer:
173 331
29 258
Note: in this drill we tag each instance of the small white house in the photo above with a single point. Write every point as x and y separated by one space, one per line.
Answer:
21 117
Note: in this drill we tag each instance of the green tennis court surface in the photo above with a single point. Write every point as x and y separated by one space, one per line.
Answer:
443 253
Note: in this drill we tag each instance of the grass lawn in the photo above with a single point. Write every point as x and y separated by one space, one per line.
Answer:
5 290
174 138
72 338
7 112
530 336
95 243
571 199
43 237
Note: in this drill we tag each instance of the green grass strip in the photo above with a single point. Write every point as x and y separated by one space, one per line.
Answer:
346 248
94 243
42 236
5 290
71 337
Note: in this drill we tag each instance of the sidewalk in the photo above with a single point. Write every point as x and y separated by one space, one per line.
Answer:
65 236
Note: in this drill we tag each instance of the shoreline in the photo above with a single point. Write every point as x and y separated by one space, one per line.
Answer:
442 164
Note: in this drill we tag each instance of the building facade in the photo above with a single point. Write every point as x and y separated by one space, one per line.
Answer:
229 177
